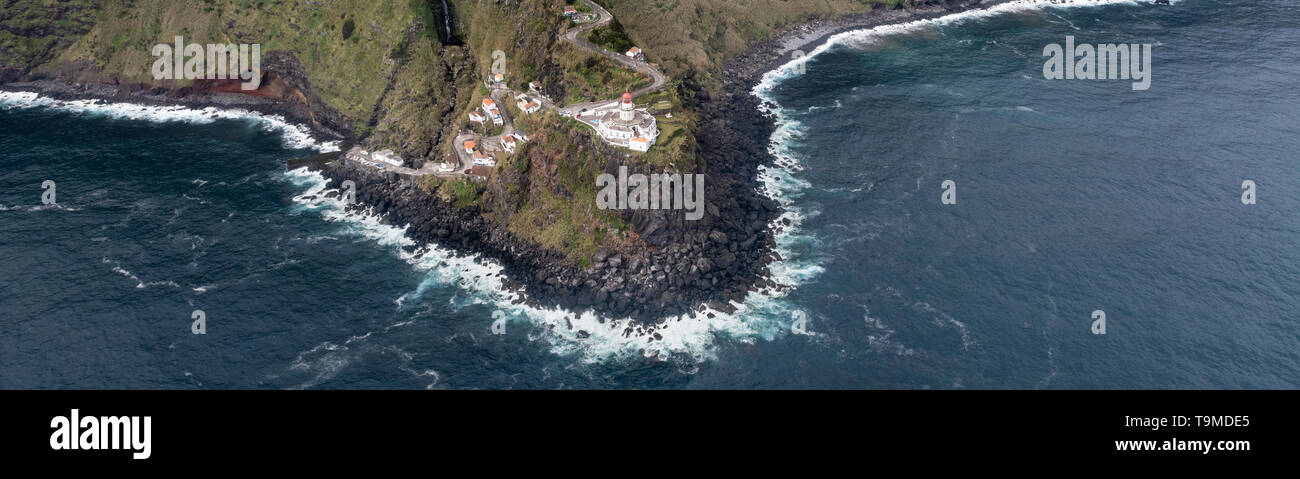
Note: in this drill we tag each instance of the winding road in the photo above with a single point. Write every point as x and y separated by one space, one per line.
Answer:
572 36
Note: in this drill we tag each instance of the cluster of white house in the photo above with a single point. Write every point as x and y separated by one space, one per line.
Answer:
490 110
619 123
379 158
481 158
525 105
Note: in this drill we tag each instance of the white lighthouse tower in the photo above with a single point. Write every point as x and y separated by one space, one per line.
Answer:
626 110
620 123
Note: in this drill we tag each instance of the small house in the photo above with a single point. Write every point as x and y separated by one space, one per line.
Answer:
481 159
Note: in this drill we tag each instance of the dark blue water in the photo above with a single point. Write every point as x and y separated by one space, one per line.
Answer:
1072 197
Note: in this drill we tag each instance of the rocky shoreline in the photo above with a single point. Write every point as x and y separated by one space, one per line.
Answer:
693 265
84 81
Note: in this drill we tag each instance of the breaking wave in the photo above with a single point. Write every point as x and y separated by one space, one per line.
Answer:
590 337
294 136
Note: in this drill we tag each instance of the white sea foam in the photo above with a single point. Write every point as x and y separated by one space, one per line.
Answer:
41 207
587 336
294 136
139 283
869 35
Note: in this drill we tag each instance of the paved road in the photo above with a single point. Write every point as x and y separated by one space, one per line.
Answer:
429 168
573 37
508 95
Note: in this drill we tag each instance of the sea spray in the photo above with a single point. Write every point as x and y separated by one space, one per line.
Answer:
294 136
588 336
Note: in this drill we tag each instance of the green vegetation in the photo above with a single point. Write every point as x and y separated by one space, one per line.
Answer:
33 32
549 189
460 192
611 37
591 77
525 31
349 69
465 192
349 26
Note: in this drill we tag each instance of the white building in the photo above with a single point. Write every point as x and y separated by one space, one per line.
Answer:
528 106
481 159
508 143
490 107
635 53
623 125
639 144
477 117
387 156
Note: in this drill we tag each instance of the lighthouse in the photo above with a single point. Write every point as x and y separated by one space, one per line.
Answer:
620 123
626 110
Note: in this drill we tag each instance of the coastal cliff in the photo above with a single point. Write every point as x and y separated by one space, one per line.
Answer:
685 265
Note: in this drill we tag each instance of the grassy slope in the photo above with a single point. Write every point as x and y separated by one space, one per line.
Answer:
348 74
31 33
549 190
591 77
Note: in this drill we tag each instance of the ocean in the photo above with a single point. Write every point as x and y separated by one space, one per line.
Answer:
1072 196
